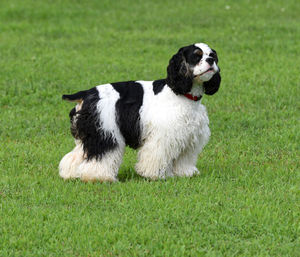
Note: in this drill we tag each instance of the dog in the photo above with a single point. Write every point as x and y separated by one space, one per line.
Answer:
164 119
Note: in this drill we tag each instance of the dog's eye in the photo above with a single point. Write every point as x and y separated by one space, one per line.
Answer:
196 58
214 55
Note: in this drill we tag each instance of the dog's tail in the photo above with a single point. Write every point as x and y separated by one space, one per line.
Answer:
77 97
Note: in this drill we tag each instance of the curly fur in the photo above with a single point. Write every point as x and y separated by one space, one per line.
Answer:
179 78
164 119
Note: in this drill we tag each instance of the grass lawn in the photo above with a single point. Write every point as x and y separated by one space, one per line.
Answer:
246 202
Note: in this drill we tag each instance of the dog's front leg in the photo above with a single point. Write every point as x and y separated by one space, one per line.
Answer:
185 164
156 156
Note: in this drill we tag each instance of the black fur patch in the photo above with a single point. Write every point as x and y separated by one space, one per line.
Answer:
87 128
158 85
127 109
191 56
77 96
214 55
212 86
73 125
179 77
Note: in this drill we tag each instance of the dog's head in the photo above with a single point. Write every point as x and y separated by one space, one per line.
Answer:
194 65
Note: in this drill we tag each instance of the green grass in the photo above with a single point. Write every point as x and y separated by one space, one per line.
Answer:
246 202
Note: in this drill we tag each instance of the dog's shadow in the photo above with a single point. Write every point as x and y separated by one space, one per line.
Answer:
128 174
126 171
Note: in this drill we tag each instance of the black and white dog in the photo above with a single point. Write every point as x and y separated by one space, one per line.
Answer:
164 119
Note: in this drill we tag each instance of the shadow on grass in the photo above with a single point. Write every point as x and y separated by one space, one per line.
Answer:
129 175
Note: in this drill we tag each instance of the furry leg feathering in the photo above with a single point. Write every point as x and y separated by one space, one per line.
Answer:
164 119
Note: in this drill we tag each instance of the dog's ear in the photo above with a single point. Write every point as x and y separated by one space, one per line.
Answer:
212 86
179 77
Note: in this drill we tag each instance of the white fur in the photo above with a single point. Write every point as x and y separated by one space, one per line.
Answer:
204 47
203 66
74 165
107 109
105 169
68 166
175 129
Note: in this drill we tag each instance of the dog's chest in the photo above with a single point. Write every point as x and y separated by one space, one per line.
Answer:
173 114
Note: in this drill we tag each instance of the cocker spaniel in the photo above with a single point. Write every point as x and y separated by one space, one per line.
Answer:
164 119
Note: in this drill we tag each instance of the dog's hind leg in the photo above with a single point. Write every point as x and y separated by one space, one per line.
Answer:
102 169
68 166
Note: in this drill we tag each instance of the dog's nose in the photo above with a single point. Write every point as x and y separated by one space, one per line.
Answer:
210 61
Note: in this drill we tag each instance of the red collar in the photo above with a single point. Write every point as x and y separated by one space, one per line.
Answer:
193 97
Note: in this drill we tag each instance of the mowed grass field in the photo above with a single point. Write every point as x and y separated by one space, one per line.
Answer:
245 202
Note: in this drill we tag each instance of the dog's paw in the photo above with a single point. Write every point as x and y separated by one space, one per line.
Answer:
187 172
90 177
94 171
69 164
